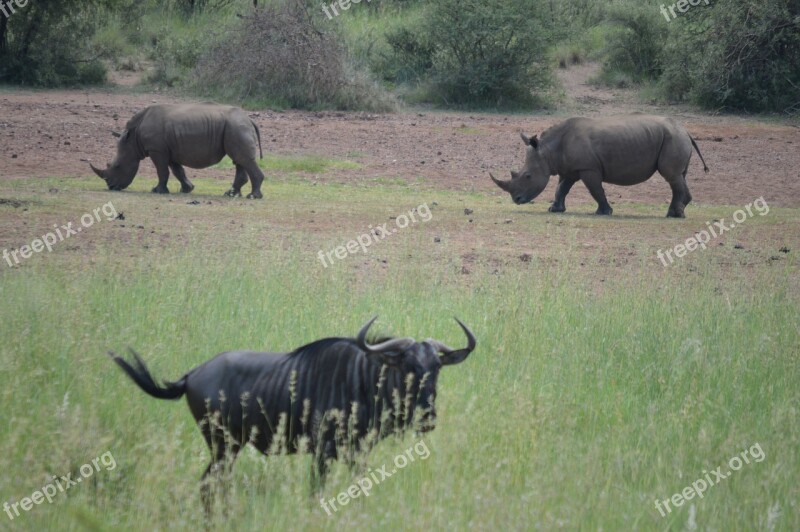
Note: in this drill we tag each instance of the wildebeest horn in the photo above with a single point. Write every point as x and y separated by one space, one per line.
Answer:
453 356
98 172
395 344
501 184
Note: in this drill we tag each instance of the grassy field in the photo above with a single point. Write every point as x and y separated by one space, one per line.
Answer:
602 381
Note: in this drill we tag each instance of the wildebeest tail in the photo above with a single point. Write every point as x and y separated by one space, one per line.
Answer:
705 166
258 134
139 373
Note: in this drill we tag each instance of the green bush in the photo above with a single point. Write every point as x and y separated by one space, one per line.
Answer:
737 56
478 52
634 44
48 43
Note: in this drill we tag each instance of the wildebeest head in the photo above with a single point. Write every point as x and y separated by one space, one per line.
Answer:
120 173
420 362
532 179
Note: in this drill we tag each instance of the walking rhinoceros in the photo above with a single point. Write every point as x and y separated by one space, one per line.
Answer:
193 135
622 150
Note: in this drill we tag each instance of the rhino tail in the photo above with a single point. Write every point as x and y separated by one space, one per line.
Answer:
258 134
697 149
139 374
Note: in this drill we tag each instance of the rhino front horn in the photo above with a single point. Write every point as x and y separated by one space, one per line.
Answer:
98 172
501 184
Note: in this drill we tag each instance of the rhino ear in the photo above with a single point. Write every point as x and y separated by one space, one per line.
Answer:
534 142
116 135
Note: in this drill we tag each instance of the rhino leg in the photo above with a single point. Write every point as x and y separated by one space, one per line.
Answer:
564 185
680 197
238 182
177 171
161 163
594 182
256 178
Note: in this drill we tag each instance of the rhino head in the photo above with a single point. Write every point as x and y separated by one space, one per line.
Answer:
525 185
120 173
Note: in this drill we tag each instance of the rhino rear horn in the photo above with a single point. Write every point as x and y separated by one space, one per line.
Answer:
501 184
98 172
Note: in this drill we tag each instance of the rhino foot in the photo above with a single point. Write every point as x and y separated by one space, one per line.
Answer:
675 214
557 208
186 189
255 195
159 190
604 212
233 193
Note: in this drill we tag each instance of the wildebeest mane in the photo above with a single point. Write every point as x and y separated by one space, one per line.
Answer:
320 346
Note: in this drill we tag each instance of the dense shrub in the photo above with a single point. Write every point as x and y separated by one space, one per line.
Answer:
736 55
283 55
48 43
478 52
634 44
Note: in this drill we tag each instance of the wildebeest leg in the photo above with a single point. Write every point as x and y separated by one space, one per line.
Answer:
256 178
319 469
161 162
594 182
564 185
680 196
238 182
177 170
223 454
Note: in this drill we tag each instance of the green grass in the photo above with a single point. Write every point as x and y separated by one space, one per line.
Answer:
311 164
585 400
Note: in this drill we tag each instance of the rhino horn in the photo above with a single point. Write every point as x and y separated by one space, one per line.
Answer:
501 184
100 173
115 134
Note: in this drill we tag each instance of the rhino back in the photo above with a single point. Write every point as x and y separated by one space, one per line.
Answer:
192 134
625 149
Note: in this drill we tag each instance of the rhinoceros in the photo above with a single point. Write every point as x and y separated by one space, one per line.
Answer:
622 150
193 135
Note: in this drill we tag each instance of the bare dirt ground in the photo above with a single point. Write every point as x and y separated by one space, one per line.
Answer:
55 133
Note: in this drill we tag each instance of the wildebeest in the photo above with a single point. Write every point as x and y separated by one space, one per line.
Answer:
193 135
622 150
337 394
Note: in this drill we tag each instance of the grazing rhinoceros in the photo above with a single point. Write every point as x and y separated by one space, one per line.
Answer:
193 135
623 150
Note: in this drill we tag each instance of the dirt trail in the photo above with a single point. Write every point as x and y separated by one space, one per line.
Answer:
56 133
